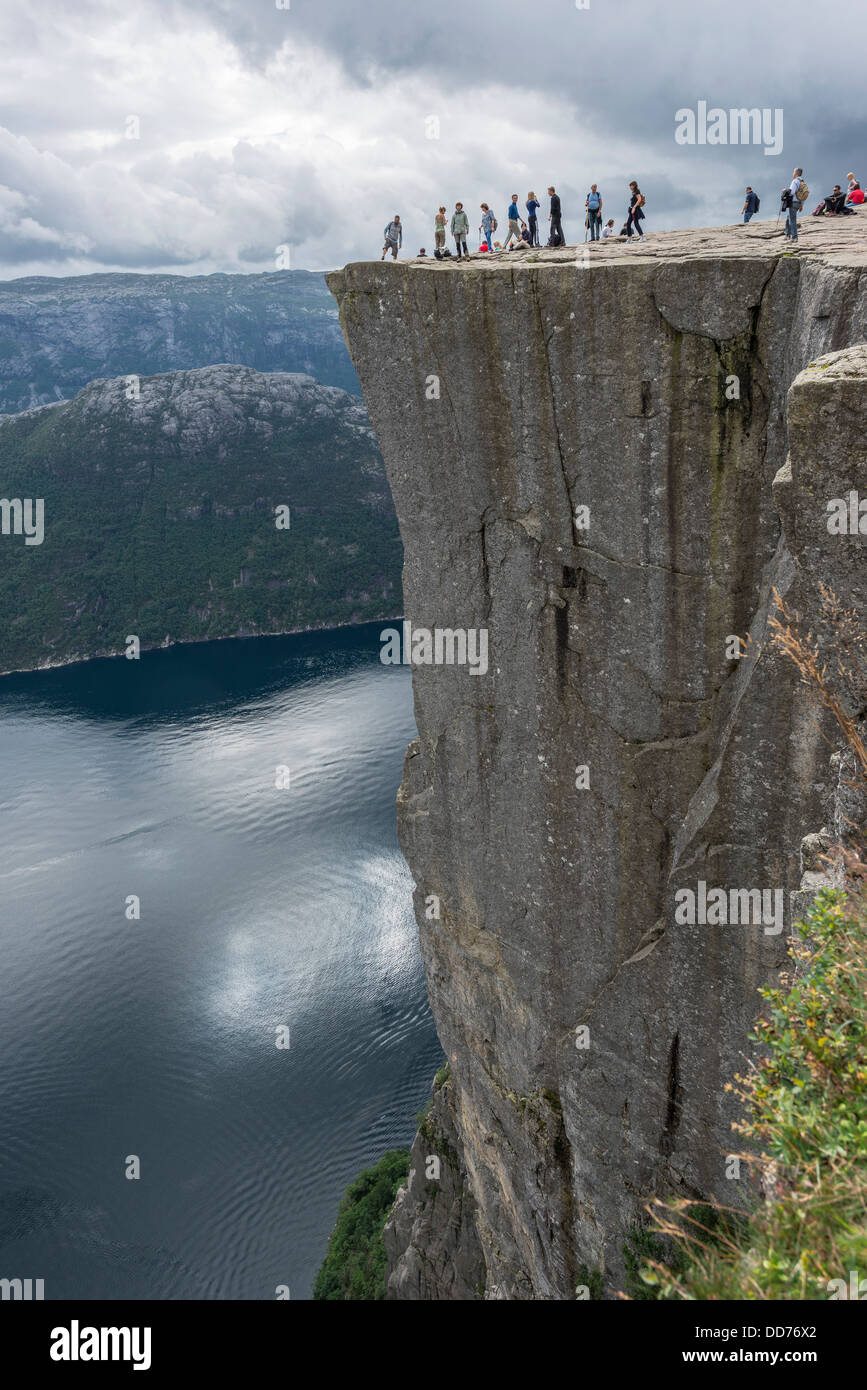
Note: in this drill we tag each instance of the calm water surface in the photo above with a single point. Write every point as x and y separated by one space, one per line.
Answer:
260 908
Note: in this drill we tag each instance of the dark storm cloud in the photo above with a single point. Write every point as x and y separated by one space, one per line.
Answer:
626 65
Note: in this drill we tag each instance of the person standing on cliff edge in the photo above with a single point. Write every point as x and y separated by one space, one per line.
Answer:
487 227
533 206
556 238
593 204
514 223
460 230
798 191
635 216
393 238
440 230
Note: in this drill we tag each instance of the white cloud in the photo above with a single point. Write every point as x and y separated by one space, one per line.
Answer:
259 130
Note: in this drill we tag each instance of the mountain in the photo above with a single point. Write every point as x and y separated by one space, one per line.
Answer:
56 335
582 455
159 514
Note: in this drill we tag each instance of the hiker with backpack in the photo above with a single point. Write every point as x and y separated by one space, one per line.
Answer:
533 206
460 230
488 227
393 238
751 204
593 204
798 194
556 237
635 216
440 230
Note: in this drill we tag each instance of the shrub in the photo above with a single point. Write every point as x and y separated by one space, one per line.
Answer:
806 1107
354 1266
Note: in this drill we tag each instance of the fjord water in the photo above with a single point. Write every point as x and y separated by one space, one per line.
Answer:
261 908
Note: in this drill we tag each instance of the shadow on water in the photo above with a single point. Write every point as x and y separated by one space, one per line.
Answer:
186 679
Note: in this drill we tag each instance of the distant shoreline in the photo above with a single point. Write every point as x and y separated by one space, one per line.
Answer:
191 642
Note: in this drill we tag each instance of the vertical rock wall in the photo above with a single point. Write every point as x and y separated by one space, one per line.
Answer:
507 395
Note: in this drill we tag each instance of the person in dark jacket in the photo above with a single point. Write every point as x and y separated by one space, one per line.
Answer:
556 238
836 201
635 216
750 206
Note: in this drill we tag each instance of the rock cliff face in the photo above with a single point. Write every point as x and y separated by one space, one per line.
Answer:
590 1032
56 335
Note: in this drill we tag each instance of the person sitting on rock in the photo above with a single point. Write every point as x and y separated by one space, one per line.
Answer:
608 229
835 202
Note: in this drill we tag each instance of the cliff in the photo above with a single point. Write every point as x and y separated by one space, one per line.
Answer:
160 521
56 335
581 453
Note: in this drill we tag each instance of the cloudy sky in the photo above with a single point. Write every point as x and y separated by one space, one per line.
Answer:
200 135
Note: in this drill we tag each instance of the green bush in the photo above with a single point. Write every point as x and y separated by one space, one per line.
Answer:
806 1111
354 1267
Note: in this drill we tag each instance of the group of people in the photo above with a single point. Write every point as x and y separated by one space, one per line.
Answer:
837 203
840 204
525 231
795 194
521 231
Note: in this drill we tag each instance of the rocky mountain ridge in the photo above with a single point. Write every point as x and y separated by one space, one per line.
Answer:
57 334
160 497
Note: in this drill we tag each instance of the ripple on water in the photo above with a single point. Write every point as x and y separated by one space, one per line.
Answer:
259 907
